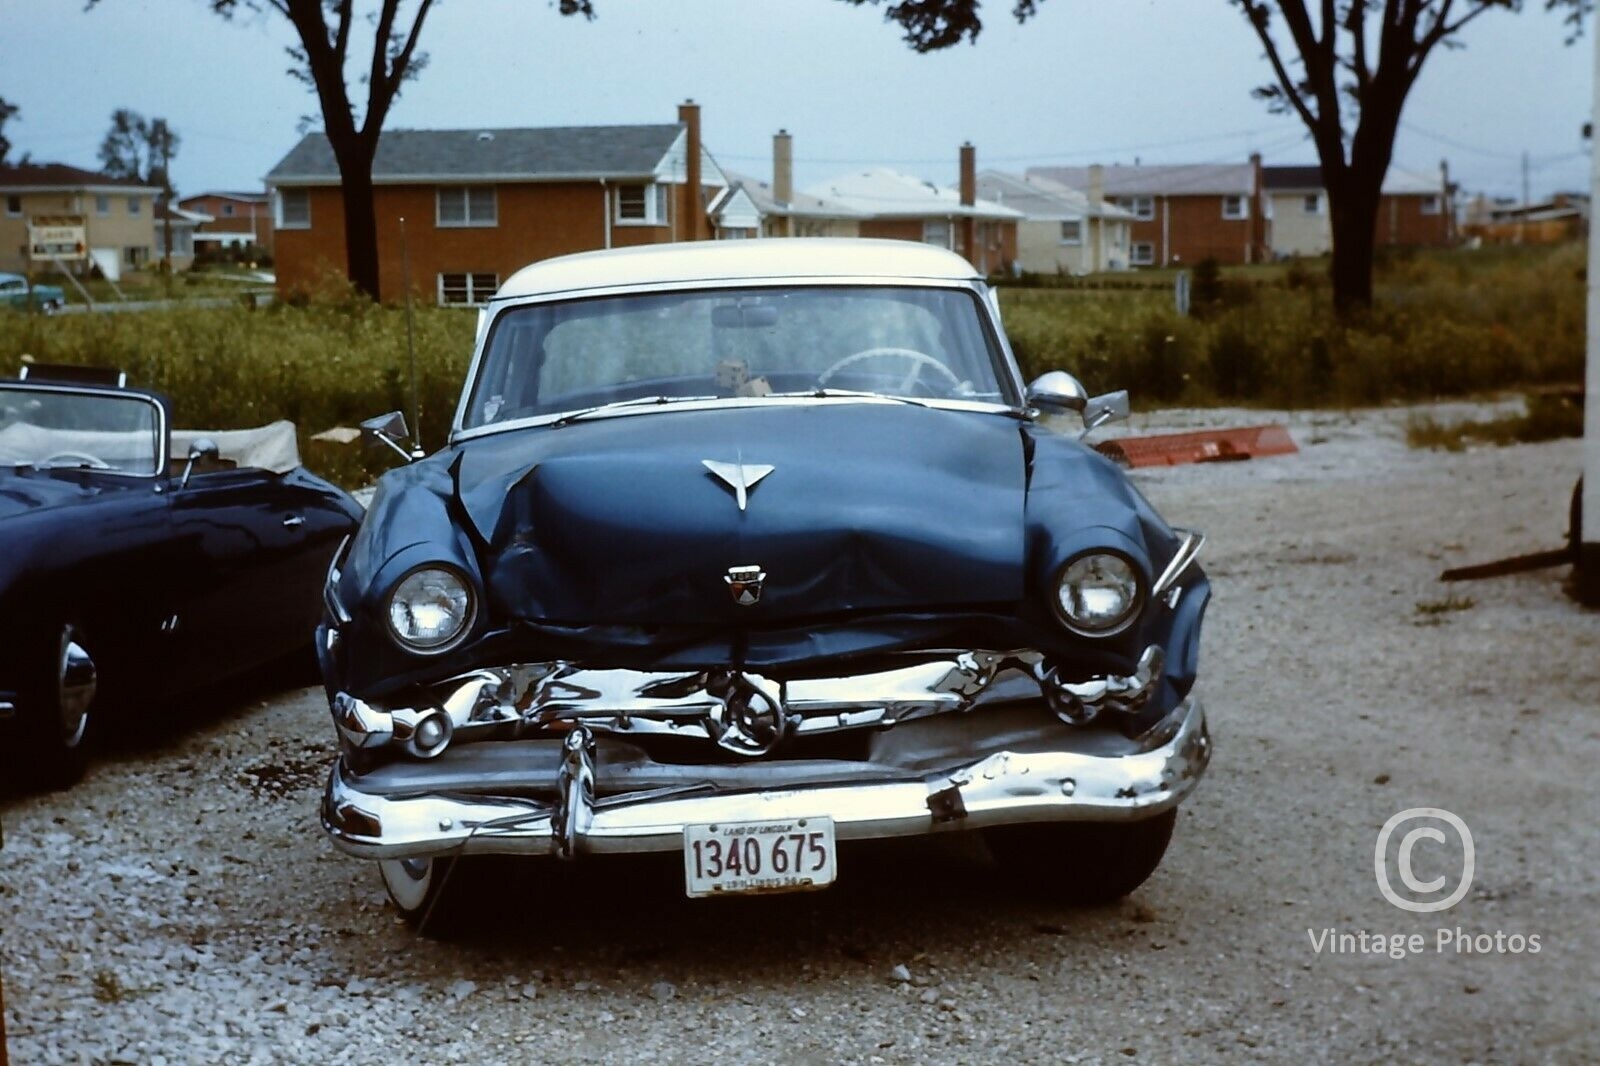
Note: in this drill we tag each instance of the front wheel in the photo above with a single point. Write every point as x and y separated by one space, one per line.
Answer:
56 711
415 887
1083 863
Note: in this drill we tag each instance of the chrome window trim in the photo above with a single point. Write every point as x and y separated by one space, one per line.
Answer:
1006 374
163 431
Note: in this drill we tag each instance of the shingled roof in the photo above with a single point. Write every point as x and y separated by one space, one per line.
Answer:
1188 179
62 176
550 154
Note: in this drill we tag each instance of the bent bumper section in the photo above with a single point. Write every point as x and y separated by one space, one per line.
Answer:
581 794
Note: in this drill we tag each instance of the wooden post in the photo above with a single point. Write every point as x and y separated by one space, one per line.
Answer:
1587 564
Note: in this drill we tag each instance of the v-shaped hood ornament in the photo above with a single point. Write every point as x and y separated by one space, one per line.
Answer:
738 477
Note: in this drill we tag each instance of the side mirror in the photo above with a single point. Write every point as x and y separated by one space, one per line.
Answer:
1112 407
1058 391
202 448
390 430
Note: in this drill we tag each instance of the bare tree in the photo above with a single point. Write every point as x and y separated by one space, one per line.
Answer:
8 111
1345 70
140 148
326 62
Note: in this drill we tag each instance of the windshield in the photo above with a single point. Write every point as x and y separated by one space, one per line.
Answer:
919 343
64 429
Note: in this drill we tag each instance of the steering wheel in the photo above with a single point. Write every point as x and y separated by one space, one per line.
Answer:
918 361
81 458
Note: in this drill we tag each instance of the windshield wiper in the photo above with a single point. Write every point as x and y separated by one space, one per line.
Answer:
822 392
618 405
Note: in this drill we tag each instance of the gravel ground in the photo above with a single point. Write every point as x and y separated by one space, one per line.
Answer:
182 905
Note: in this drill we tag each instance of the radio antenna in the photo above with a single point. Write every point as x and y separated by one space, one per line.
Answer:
411 347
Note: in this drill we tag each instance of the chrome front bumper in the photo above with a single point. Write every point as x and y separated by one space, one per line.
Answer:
566 800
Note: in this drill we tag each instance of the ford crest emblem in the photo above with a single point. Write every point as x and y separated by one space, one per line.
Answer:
744 584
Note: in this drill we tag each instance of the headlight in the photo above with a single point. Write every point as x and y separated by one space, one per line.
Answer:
431 609
1098 594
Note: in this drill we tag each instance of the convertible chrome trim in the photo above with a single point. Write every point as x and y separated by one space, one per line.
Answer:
743 712
1010 785
1188 550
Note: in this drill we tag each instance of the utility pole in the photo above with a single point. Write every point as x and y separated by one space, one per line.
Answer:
159 128
1522 216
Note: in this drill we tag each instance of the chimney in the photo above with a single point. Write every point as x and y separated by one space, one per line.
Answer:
1096 220
783 167
694 210
969 197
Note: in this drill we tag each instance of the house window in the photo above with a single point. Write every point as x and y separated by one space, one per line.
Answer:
936 232
1430 205
735 233
1235 207
102 206
642 205
466 205
1072 231
13 207
467 290
134 206
294 209
227 210
1143 253
136 255
1312 204
182 242
1143 207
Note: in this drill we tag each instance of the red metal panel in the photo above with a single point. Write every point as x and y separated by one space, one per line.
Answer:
1202 446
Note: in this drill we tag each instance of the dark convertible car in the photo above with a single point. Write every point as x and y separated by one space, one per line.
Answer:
136 561
743 550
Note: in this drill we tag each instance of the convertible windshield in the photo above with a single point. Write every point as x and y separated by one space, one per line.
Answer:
917 343
48 428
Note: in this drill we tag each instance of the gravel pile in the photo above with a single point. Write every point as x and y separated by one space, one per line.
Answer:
182 906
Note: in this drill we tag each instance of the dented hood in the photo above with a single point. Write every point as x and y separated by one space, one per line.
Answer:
868 506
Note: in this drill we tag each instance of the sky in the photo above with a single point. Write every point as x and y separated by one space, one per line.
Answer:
1156 81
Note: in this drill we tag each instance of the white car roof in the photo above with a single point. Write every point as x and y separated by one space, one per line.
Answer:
767 258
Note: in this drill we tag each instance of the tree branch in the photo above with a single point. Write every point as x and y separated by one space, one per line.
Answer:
1260 19
341 39
1356 26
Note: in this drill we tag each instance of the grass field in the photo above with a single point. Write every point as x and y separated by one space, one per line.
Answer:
1446 324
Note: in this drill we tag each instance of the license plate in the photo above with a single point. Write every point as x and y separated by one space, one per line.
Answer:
739 858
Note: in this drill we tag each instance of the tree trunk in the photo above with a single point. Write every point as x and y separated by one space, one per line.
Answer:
1354 214
360 218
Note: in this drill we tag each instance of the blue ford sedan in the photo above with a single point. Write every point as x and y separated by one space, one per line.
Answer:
743 550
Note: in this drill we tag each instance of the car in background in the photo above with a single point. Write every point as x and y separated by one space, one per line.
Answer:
137 561
16 293
742 550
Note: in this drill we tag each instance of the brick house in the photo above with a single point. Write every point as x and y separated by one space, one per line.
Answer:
233 219
1063 231
1415 211
480 204
118 213
898 206
1183 213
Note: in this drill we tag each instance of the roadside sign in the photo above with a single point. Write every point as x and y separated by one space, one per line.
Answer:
52 237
